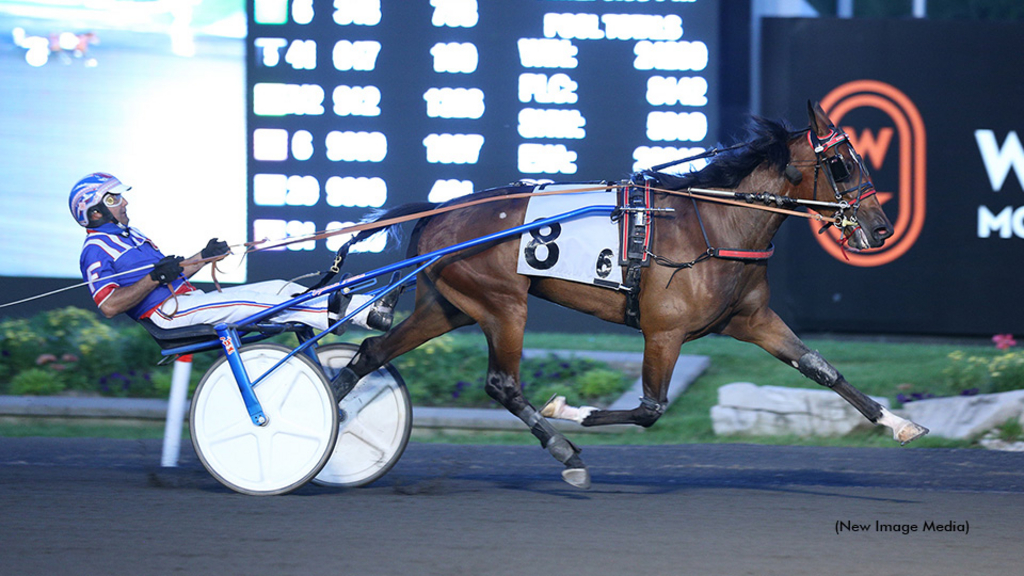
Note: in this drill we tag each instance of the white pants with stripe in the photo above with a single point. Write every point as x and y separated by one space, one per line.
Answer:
240 302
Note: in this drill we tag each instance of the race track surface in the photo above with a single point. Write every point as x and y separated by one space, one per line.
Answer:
93 506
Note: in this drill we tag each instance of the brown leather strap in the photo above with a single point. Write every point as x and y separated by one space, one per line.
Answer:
398 220
254 246
213 276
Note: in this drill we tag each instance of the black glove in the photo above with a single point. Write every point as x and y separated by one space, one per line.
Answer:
166 270
215 248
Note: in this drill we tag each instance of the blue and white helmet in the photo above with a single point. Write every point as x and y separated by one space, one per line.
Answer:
89 191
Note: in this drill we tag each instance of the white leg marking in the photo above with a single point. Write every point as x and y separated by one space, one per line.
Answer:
902 429
558 409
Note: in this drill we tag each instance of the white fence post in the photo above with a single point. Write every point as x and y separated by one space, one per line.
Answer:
176 410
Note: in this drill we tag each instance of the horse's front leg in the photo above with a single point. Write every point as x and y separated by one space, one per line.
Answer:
660 354
768 331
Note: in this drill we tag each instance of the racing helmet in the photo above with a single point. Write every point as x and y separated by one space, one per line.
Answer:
88 192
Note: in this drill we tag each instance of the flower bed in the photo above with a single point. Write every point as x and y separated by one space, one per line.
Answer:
980 371
443 372
73 351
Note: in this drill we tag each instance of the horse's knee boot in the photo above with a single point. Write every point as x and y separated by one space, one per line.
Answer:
559 446
504 389
813 366
551 439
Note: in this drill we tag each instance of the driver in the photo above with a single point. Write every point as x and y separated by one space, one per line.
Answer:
116 262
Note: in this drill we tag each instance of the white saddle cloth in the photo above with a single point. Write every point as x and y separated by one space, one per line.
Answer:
582 250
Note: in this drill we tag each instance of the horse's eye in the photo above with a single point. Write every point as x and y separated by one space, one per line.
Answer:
839 168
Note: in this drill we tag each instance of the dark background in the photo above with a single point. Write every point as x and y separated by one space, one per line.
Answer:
962 76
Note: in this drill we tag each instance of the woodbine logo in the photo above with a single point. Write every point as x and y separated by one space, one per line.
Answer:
1000 159
907 132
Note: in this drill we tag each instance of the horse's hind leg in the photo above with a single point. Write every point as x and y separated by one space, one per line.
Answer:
505 343
768 331
432 317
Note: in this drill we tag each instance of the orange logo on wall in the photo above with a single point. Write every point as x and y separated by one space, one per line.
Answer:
908 199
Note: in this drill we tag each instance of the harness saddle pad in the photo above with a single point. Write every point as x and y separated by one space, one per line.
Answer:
582 250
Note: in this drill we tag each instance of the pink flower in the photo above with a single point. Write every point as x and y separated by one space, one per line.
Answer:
45 359
1004 341
69 358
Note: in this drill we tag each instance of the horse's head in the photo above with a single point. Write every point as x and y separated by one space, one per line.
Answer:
835 174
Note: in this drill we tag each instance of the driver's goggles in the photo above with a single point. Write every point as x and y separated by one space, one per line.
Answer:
111 200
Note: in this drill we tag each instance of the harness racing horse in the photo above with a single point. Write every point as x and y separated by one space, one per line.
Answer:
677 302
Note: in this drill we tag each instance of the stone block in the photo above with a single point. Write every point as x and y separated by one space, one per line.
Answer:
748 409
966 417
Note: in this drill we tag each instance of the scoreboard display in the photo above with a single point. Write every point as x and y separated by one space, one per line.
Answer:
357 105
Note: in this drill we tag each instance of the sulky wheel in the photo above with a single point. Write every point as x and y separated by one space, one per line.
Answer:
290 449
375 422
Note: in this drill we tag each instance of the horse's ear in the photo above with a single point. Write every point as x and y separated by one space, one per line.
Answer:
820 122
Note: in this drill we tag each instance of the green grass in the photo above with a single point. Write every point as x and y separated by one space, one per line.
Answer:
877 368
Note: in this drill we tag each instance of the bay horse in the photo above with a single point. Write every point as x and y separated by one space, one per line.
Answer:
712 295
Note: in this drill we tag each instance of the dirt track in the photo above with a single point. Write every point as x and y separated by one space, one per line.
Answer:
105 507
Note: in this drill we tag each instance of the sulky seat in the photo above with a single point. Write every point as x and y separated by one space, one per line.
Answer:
199 334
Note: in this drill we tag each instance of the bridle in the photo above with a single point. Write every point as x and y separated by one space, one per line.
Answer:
836 168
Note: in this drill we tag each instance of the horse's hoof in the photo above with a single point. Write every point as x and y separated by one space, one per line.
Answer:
578 477
553 407
911 431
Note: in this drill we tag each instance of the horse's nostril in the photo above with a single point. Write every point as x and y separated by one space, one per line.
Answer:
883 232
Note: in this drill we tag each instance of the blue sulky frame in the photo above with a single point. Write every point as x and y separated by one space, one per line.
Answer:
230 338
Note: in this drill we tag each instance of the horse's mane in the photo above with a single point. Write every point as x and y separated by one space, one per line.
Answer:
769 142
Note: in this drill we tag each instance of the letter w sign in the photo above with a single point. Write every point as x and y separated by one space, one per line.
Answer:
998 161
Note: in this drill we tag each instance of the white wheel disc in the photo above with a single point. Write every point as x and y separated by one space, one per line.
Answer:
297 439
375 423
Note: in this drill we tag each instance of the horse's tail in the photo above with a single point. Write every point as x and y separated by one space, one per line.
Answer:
406 210
393 229
376 216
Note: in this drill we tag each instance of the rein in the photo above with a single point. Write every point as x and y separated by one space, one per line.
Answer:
748 199
718 196
415 216
755 200
741 199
